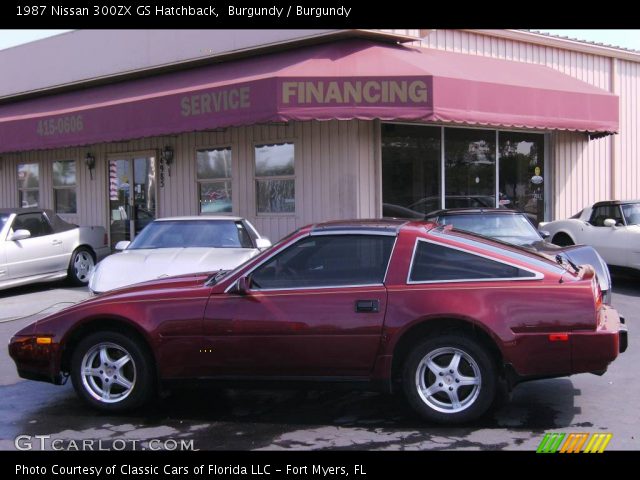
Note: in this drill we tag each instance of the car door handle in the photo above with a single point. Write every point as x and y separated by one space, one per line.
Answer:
372 306
56 242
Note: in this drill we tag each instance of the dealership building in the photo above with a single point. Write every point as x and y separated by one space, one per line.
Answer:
290 127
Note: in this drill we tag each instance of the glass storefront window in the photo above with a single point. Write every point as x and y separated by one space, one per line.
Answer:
214 180
410 170
28 184
64 186
275 178
470 167
522 173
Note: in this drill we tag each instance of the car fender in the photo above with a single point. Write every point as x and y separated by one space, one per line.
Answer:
399 338
104 319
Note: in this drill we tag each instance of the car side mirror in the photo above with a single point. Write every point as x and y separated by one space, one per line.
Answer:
609 222
20 234
544 233
122 245
243 286
263 243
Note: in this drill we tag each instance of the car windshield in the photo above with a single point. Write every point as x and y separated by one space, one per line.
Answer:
3 220
511 228
193 234
631 213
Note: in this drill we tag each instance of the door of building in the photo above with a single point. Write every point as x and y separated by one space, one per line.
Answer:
132 195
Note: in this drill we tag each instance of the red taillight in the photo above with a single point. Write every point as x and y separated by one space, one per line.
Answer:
558 337
597 292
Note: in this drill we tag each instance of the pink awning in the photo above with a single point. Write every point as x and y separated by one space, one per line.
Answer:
343 80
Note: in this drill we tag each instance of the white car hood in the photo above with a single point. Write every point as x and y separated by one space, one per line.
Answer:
135 266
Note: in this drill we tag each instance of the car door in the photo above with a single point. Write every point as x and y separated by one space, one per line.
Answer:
40 253
610 242
314 309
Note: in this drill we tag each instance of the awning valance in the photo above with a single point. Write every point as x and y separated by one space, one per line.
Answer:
342 80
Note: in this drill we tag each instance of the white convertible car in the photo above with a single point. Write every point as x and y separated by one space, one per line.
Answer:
176 246
611 227
38 246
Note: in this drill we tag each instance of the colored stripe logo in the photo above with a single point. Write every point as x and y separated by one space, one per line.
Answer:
574 443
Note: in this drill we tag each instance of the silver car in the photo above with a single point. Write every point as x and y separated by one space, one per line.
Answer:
38 246
177 246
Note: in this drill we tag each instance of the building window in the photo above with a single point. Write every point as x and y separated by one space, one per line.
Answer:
470 168
64 186
28 184
414 157
522 173
214 180
275 178
411 157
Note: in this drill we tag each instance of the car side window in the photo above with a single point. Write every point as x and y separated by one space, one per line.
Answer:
36 223
600 214
437 263
327 260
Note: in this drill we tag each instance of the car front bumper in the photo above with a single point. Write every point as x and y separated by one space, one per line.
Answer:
35 361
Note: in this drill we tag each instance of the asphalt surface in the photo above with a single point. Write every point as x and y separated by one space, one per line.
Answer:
245 419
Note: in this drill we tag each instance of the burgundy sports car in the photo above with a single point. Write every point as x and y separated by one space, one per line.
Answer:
442 315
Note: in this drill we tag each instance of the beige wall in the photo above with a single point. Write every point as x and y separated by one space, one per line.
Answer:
582 169
335 168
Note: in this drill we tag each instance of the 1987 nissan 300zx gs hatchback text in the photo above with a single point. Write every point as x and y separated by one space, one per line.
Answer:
443 315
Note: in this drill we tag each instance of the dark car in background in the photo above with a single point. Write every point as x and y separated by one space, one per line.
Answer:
515 228
426 205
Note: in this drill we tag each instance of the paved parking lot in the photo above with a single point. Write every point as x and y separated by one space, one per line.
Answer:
314 419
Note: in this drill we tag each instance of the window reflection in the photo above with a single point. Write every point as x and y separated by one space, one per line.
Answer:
275 180
214 180
470 164
410 170
522 173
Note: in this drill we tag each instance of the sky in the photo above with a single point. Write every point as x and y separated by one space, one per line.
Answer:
621 38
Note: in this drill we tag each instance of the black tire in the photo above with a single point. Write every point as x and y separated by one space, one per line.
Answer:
438 405
138 371
562 239
82 261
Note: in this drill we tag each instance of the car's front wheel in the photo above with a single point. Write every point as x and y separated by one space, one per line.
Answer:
112 372
82 261
450 379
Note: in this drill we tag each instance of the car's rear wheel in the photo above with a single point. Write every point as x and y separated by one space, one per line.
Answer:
562 239
450 379
82 262
112 372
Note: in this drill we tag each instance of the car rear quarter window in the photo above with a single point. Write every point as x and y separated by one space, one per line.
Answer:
438 263
327 260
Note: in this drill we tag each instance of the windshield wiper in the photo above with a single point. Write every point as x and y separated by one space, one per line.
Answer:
213 279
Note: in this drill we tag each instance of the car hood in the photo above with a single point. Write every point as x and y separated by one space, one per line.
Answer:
135 266
579 255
